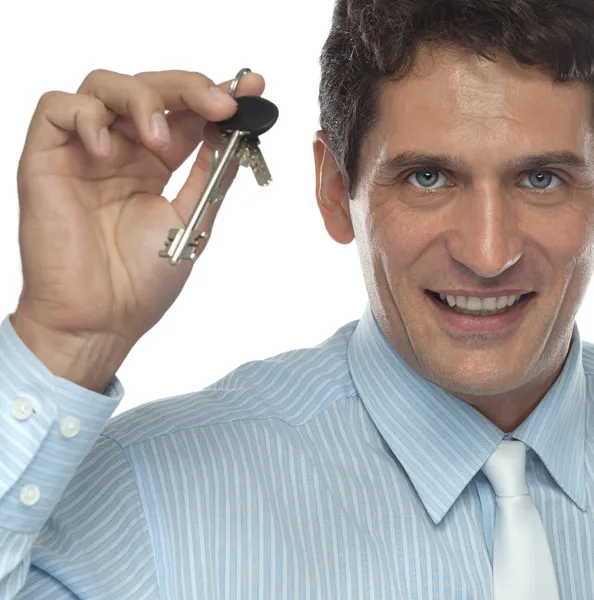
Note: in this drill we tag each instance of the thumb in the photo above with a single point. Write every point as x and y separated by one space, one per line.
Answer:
196 183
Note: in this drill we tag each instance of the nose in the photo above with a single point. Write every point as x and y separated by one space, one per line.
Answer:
485 234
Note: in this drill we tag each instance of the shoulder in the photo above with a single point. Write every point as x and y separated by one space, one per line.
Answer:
293 387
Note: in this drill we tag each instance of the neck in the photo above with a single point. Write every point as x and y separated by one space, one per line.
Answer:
509 410
506 410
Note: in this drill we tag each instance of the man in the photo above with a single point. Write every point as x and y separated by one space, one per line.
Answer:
439 448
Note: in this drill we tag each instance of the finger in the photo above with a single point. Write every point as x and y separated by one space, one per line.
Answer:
145 97
187 126
59 115
189 90
187 129
128 96
196 183
213 136
190 102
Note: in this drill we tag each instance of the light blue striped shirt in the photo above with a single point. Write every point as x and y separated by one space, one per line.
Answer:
333 472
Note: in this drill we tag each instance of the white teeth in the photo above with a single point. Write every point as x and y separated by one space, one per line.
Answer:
474 303
501 302
478 304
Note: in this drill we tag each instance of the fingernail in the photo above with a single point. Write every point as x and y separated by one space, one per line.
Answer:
104 141
159 128
221 96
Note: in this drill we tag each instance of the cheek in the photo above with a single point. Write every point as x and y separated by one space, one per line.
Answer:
566 238
396 237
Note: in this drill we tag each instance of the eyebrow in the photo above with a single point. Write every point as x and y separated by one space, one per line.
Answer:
524 162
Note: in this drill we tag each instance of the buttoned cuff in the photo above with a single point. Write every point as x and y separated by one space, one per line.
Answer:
47 426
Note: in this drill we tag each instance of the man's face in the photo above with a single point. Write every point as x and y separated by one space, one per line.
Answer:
482 226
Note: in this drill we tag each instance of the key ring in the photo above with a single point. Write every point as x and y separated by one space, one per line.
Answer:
235 82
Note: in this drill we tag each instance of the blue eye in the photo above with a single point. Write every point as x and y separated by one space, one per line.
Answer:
426 179
541 179
425 176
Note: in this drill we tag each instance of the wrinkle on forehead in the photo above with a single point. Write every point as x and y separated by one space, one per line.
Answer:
457 100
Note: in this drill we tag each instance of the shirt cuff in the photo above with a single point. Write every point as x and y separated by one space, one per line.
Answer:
47 426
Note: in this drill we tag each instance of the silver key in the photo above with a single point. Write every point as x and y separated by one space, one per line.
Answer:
183 243
252 157
254 116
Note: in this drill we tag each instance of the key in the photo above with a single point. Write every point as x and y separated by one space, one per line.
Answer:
258 116
261 115
254 116
252 157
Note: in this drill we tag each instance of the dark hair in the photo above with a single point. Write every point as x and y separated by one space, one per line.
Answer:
375 40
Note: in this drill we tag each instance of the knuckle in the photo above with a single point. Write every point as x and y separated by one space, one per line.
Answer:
146 76
177 78
93 76
201 79
145 96
48 99
153 100
176 75
91 107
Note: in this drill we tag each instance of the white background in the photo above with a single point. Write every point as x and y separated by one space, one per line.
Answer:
271 279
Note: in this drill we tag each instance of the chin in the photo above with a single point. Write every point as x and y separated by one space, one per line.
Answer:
475 374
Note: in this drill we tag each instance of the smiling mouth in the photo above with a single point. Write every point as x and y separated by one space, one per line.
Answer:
482 312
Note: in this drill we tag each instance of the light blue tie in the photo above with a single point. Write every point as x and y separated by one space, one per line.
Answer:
523 567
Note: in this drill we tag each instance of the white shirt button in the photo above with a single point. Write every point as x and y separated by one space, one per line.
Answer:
30 494
22 409
69 427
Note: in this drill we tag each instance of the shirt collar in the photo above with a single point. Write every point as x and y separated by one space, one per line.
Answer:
556 428
442 442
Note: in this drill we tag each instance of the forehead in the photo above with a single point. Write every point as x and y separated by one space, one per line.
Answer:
456 98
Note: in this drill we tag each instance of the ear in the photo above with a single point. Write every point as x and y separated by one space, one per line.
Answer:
331 193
